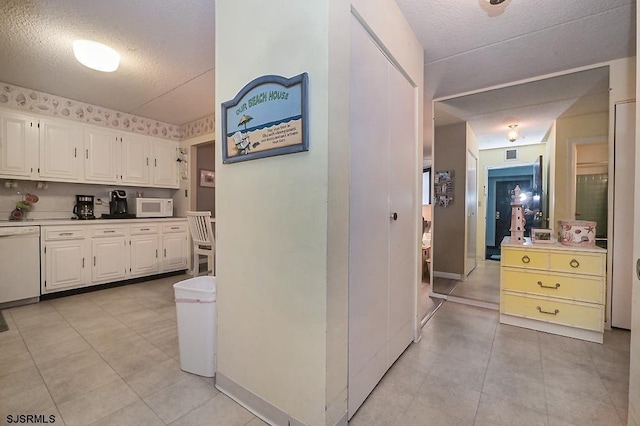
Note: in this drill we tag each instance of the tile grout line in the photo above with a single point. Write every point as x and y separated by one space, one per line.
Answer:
493 339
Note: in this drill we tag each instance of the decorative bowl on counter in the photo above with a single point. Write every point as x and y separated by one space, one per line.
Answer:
577 233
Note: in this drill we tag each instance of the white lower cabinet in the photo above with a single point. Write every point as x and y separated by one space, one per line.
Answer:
66 261
110 257
174 247
84 255
145 255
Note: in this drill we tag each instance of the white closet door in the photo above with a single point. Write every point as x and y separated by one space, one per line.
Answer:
634 375
624 172
383 251
368 218
404 236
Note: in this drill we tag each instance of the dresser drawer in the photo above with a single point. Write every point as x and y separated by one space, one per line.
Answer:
591 264
573 314
587 289
174 227
144 229
56 234
524 258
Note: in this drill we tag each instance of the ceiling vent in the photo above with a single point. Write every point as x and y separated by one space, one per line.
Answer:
510 154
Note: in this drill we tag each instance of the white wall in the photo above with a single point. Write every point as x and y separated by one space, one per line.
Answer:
282 222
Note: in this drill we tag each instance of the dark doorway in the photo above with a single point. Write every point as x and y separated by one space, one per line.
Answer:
502 218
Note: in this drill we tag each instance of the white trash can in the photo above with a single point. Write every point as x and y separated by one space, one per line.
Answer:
196 312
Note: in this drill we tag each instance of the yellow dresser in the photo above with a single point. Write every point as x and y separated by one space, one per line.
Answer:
554 288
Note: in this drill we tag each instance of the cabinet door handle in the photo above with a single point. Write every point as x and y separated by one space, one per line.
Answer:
75 152
526 259
553 287
555 312
83 262
87 153
165 252
394 216
574 263
156 253
94 261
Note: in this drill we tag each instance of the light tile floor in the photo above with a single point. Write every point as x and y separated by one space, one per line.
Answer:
110 357
483 284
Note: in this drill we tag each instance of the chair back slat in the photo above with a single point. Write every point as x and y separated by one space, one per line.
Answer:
200 227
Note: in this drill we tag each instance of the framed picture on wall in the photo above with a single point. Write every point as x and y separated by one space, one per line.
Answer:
207 178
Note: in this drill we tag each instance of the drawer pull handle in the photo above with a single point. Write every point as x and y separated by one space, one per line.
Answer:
526 259
555 312
574 263
66 233
144 229
175 227
109 231
553 287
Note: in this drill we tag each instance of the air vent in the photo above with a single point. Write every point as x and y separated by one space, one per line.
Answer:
511 154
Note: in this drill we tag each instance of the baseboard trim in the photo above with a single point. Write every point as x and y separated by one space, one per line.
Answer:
262 409
473 302
449 275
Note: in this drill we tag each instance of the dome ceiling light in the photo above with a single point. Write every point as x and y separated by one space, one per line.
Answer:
513 133
494 2
96 55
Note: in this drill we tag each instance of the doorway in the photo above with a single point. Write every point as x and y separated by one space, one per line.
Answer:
501 183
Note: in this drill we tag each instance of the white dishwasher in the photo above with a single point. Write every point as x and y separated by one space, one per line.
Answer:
19 263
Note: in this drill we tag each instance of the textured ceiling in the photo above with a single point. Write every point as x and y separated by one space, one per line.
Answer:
533 106
470 45
166 48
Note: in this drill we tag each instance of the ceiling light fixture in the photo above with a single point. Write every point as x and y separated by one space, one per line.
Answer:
513 133
494 2
96 55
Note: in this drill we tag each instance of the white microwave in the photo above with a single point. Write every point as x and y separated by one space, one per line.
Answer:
153 207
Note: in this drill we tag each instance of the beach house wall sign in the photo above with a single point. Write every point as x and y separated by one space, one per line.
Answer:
267 117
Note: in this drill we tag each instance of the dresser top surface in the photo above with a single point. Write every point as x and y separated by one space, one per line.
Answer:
550 246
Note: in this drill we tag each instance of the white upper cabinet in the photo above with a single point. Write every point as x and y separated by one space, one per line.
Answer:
134 165
101 155
18 145
61 150
165 166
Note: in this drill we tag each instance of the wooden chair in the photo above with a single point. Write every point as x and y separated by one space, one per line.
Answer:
204 242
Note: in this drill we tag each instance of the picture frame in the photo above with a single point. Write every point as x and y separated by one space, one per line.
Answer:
542 236
268 117
207 178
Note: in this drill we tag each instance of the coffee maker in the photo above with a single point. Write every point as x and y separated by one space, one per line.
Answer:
84 207
118 203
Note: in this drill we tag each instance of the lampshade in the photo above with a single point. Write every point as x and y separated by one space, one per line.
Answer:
513 133
96 55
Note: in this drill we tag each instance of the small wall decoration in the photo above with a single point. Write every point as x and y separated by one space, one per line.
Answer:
542 236
207 178
443 188
267 117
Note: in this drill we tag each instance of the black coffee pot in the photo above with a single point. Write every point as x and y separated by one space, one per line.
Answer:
84 207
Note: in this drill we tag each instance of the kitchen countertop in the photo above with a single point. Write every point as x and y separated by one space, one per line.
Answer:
46 222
